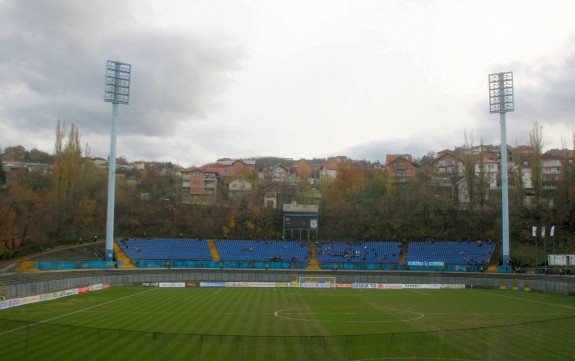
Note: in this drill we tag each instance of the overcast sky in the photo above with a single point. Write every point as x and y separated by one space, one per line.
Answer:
296 79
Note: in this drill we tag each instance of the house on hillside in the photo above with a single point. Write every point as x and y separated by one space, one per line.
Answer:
488 169
100 162
328 171
401 168
139 165
275 195
200 185
276 173
425 168
15 169
237 167
292 180
551 162
446 167
463 196
239 187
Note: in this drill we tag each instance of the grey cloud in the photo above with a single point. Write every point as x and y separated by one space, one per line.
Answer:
544 88
53 54
551 98
544 93
417 145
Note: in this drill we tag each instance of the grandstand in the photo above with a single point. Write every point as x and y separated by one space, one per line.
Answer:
201 253
450 252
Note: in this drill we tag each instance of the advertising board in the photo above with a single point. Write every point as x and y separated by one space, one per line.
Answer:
426 263
172 284
212 284
251 284
400 286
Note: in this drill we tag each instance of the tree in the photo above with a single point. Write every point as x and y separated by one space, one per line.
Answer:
483 181
469 166
2 171
65 178
536 144
564 202
519 194
23 216
17 152
303 170
344 200
37 156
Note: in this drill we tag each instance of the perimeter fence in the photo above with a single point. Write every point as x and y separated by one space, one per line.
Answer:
540 340
22 285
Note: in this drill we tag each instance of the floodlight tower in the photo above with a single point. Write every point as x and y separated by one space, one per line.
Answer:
501 100
117 92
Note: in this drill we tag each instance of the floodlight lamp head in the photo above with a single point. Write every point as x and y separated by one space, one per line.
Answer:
117 89
501 98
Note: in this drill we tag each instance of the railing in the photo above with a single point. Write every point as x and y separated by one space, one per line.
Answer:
22 285
44 341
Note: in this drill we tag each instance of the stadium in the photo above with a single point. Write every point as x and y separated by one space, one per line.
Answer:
195 299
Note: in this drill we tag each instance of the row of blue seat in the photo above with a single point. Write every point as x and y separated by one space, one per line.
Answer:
262 250
451 252
448 252
176 249
370 252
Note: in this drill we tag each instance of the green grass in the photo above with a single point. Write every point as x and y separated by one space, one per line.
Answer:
133 323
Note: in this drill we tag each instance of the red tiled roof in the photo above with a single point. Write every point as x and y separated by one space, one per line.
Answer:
392 157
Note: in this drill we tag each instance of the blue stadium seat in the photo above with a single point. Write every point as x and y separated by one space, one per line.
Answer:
166 249
451 252
264 251
365 252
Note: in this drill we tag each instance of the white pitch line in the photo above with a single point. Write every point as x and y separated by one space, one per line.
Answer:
528 300
279 313
74 312
179 313
423 293
415 358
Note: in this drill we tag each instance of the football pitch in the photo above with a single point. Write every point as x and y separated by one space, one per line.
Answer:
138 323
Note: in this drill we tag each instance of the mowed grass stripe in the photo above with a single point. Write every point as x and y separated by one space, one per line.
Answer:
93 341
217 321
238 323
106 316
409 339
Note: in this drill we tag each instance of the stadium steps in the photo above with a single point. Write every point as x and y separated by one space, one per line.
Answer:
495 259
214 250
121 256
26 266
313 263
403 256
